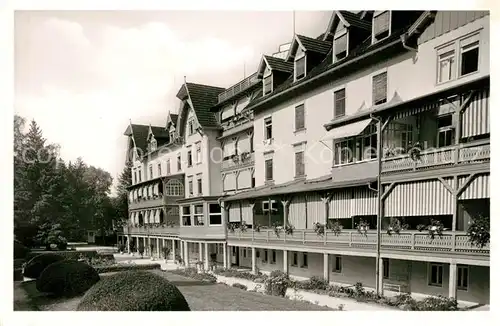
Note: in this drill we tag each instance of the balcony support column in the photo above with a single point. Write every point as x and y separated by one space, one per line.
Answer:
452 286
173 250
224 252
158 247
200 251
380 276
254 261
186 253
206 257
128 244
326 270
285 261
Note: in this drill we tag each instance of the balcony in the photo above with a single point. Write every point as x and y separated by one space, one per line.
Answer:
416 242
170 231
210 232
239 161
238 88
146 203
473 152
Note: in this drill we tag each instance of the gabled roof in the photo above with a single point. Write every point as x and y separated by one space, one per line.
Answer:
355 20
140 135
159 132
278 64
314 45
202 97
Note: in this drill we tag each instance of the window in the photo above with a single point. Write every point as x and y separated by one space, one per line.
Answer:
168 166
469 52
215 214
339 98
190 158
159 169
435 274
151 171
140 175
273 257
199 184
446 131
381 25
179 166
153 145
269 203
198 215
174 188
446 66
191 127
172 136
385 269
379 88
337 266
299 164
198 152
300 64
265 255
268 128
269 169
463 277
135 176
356 149
244 250
299 117
295 259
268 84
190 186
340 44
186 215
257 253
304 260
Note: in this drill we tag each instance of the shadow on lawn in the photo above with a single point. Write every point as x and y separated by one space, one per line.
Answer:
43 301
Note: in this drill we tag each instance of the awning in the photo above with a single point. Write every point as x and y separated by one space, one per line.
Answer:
157 216
352 129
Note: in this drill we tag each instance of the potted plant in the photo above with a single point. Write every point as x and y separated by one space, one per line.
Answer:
395 227
289 229
336 227
277 228
414 151
230 227
434 228
363 227
257 227
479 231
319 228
243 226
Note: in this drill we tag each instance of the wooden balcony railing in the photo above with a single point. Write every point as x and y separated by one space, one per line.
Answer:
152 230
239 162
409 241
146 203
238 88
453 155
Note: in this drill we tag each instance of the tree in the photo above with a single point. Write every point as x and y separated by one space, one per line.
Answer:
121 200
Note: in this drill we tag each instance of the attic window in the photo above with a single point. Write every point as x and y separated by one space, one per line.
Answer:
300 64
153 145
191 127
340 46
172 136
381 25
268 84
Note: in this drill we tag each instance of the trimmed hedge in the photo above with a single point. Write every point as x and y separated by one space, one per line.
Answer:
235 273
119 268
193 273
67 254
20 250
67 278
133 291
37 264
240 286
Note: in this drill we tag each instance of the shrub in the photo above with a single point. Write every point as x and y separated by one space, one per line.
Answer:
20 251
277 283
133 291
121 248
314 283
36 265
18 263
67 278
193 273
438 303
18 274
240 286
119 268
235 273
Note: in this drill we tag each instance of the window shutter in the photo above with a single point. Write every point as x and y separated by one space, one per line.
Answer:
380 88
268 84
339 103
299 164
300 66
341 44
299 117
269 169
381 23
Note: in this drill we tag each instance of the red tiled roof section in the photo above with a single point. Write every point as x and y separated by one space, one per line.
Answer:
314 45
203 98
279 64
354 20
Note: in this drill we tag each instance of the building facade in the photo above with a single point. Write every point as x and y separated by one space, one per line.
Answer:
392 99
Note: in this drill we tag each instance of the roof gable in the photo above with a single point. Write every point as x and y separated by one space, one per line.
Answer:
308 44
348 19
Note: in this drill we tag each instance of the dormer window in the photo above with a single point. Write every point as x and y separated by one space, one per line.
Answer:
300 64
191 127
153 145
381 25
340 45
267 81
172 136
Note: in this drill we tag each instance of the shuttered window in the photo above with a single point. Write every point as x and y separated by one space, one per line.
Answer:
380 88
341 46
269 169
268 84
381 25
339 97
299 117
300 68
299 164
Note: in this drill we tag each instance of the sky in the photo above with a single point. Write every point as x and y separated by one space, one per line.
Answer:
82 75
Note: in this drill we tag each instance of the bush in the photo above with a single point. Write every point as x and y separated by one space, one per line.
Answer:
240 286
36 265
277 283
119 268
314 283
438 303
18 263
18 274
235 273
133 291
193 273
121 247
67 278
20 251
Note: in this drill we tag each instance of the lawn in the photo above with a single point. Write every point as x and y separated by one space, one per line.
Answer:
200 296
